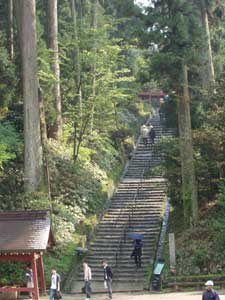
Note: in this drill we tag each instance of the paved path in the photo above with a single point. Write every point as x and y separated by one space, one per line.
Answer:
146 296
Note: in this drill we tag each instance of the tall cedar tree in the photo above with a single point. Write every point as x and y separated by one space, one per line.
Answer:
56 131
26 17
207 66
171 26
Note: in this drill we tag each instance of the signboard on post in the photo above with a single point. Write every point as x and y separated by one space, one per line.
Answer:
172 250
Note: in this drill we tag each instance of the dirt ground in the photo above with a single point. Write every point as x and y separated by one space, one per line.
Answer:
146 296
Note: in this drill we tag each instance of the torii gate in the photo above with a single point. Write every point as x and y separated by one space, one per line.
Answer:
24 236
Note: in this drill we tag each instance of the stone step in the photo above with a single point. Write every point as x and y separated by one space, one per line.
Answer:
123 256
142 208
104 233
114 241
98 276
108 228
115 225
118 286
116 231
141 191
115 221
141 204
141 200
110 250
101 242
150 195
142 185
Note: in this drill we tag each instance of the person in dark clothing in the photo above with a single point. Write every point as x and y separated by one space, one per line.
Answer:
107 278
161 114
210 294
152 134
137 252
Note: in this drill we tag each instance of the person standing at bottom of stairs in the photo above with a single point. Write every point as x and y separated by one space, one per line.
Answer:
107 278
54 284
87 279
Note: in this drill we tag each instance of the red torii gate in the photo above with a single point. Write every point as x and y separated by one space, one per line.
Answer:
24 236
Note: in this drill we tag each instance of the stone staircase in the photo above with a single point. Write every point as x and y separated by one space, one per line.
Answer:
137 206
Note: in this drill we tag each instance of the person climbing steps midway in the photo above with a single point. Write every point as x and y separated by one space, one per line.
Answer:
137 252
152 134
144 134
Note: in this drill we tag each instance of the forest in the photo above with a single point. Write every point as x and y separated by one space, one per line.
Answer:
70 73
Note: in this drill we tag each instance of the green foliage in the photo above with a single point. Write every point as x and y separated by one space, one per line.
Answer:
62 260
199 258
175 29
221 195
171 167
10 144
7 77
12 273
35 200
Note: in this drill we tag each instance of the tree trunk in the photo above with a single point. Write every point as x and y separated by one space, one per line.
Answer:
18 13
42 118
189 187
44 140
32 136
11 32
208 74
53 45
76 56
94 26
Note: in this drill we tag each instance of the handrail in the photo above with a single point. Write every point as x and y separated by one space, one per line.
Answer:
130 215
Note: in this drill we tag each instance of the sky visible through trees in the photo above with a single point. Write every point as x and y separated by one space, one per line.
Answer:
143 2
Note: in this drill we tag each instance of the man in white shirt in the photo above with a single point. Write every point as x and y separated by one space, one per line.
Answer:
55 284
87 279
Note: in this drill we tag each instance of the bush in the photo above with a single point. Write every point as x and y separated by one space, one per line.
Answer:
10 144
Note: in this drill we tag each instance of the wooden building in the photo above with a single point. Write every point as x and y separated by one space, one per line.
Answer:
152 97
24 237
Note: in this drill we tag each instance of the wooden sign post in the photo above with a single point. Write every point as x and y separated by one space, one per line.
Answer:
172 250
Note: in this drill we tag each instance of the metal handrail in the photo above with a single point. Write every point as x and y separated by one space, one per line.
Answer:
130 216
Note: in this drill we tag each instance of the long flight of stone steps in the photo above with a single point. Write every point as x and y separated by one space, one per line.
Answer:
136 207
